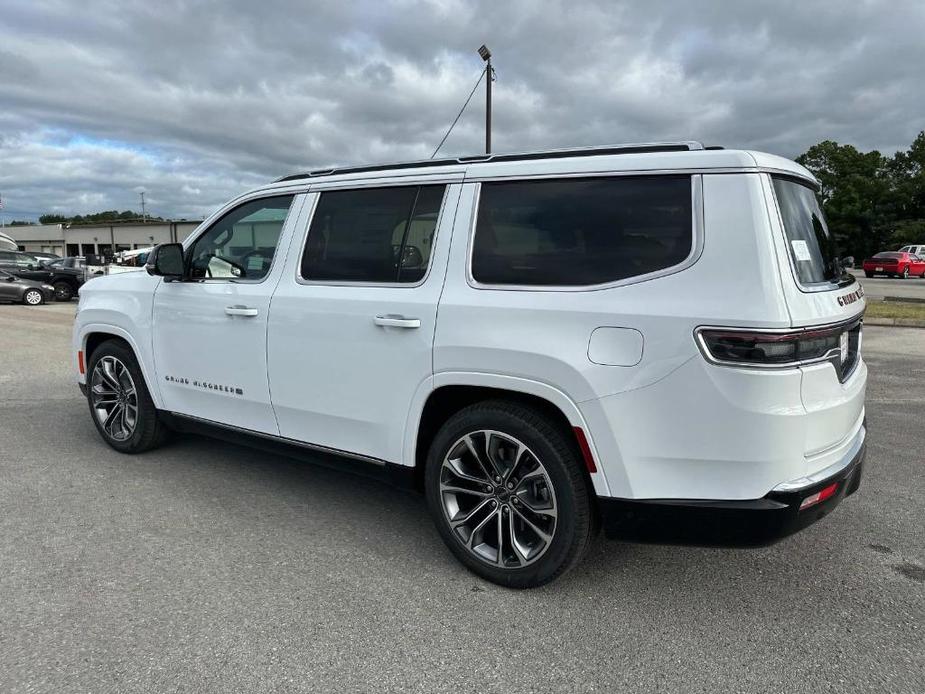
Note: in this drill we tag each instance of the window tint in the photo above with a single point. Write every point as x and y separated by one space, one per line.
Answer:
812 246
241 244
372 235
580 232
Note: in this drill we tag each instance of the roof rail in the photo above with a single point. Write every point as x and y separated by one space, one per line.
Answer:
639 148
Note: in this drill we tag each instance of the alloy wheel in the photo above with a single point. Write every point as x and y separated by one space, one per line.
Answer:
63 292
114 398
33 297
498 499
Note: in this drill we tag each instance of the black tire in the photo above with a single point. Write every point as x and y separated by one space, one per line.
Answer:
869 274
559 455
63 291
33 297
149 431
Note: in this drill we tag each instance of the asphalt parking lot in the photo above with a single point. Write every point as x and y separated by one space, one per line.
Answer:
204 567
879 287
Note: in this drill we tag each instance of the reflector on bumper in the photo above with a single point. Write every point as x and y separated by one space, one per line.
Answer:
819 496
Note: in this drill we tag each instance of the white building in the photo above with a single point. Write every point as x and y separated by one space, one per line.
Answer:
97 239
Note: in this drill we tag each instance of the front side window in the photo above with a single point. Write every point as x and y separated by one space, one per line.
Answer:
581 232
24 261
380 235
241 244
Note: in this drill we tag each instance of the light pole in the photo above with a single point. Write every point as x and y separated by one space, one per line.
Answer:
486 56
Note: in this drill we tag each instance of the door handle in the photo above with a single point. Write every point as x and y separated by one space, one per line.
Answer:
245 311
395 321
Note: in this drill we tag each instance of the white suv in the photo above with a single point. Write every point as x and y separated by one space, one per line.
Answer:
656 339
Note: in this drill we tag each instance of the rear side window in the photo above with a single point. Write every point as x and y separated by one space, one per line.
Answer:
811 245
579 232
381 235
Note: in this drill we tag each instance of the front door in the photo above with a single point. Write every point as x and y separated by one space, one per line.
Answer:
210 332
351 330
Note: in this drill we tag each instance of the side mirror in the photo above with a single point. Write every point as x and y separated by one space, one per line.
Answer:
166 260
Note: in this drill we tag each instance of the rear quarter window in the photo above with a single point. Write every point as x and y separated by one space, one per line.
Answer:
812 247
581 232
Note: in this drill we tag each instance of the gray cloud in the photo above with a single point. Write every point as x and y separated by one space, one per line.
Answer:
198 101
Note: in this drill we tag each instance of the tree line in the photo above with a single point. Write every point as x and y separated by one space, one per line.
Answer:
97 218
872 202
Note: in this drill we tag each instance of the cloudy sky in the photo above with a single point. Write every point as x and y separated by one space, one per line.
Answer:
195 101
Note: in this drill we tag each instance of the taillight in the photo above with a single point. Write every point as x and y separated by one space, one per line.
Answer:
760 348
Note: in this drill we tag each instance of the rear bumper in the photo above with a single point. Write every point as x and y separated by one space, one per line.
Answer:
752 522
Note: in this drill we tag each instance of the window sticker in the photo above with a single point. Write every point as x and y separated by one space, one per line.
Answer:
800 249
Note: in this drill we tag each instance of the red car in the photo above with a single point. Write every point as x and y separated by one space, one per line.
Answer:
895 264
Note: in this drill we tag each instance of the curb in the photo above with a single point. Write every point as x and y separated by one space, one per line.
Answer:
905 299
896 322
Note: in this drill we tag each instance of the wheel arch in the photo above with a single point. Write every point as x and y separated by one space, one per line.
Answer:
93 335
452 392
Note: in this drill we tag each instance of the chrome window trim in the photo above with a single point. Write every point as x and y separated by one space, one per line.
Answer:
846 324
354 283
697 227
209 223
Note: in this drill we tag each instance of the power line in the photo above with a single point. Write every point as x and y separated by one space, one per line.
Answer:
456 120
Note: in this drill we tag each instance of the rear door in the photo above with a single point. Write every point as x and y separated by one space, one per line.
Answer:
351 329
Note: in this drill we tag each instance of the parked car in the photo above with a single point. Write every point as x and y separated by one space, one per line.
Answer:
28 292
557 343
66 281
895 264
44 257
918 250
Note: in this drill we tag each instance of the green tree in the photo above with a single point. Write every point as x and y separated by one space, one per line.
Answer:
860 195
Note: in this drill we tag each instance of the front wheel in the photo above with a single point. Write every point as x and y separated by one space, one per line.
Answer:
508 493
120 404
32 297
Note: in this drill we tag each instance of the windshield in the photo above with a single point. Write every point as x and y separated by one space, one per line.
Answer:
812 246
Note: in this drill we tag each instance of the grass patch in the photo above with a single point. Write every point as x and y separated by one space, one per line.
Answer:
895 309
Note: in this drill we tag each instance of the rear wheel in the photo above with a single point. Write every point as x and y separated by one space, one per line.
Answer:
63 291
120 403
508 493
32 297
869 274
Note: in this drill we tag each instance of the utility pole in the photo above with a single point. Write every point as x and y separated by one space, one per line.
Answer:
144 217
486 56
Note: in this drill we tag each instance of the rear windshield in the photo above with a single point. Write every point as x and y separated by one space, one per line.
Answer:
889 255
812 246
